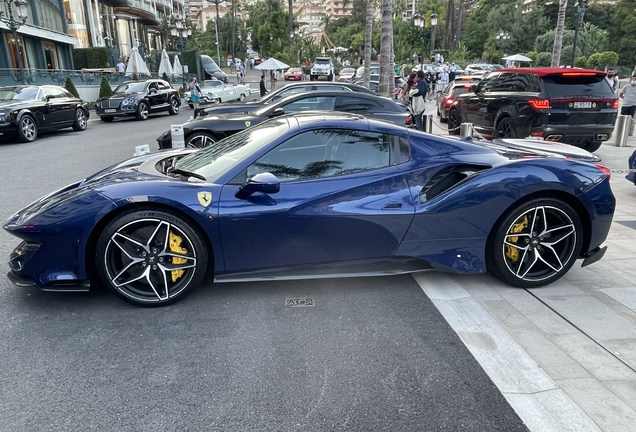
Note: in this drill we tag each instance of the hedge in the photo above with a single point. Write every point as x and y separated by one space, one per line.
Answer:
91 58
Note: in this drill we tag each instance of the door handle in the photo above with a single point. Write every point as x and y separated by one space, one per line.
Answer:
392 206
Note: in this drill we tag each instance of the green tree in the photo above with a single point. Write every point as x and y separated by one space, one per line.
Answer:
558 35
387 82
477 31
105 90
68 85
623 31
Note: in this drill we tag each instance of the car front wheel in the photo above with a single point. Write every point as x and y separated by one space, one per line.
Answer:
80 120
200 140
536 243
27 129
150 257
174 106
142 111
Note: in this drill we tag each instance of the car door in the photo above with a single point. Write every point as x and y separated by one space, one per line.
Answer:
498 99
165 90
69 107
155 99
473 103
56 104
341 199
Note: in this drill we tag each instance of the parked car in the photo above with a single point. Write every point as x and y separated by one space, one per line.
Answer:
212 70
323 66
374 69
293 74
29 110
477 69
215 91
447 96
374 84
317 195
283 92
346 74
573 106
139 99
203 131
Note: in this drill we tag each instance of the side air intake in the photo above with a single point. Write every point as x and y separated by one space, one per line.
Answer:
448 180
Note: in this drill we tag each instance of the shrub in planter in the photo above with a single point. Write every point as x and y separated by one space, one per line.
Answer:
68 85
104 88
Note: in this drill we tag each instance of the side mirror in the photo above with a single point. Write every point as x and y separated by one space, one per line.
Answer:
473 88
277 112
266 183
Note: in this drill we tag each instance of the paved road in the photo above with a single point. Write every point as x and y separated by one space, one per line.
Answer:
372 354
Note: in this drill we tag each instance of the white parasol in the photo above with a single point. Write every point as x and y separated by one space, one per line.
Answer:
136 64
177 69
271 64
165 65
517 57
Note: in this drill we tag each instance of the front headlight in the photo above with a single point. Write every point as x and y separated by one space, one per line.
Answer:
129 101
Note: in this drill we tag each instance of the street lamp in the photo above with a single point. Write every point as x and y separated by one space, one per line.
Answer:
580 10
420 22
181 30
21 7
216 25
502 39
434 26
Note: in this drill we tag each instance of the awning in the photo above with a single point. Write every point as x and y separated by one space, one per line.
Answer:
42 33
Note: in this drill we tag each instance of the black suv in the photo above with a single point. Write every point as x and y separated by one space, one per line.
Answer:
139 99
573 106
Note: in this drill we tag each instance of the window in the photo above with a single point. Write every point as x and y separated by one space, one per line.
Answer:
52 92
163 85
324 103
355 104
505 83
487 83
50 52
324 153
527 83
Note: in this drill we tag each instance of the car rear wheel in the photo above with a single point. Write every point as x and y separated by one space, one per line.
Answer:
200 140
536 243
592 146
142 111
242 97
80 120
27 129
174 106
506 128
150 257
453 122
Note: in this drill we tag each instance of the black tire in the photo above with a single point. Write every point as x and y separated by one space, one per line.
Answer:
549 235
143 111
200 140
174 106
27 129
454 122
81 122
330 77
592 146
107 119
241 97
138 257
506 128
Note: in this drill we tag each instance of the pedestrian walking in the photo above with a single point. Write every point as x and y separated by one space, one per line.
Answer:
612 78
418 95
628 94
195 95
262 86
410 83
272 80
121 67
240 73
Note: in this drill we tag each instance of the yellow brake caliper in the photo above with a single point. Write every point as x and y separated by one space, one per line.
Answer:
175 246
513 252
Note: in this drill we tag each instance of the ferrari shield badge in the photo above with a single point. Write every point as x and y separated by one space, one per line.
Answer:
205 198
247 123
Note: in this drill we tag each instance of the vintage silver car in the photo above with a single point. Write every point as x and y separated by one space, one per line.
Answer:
215 91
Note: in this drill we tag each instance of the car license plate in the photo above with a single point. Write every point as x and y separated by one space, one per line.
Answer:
582 104
110 110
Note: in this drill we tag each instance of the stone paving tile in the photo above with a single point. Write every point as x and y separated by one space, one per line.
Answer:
597 361
551 411
624 295
601 404
541 317
626 390
625 349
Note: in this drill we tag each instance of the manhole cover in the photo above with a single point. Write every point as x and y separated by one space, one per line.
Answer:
300 302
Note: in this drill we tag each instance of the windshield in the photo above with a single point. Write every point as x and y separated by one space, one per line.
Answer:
130 87
18 93
347 71
322 61
209 64
211 162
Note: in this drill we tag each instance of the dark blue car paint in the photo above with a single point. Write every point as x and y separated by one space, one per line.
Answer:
369 216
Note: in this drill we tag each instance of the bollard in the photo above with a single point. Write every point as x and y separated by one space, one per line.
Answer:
621 130
428 123
466 130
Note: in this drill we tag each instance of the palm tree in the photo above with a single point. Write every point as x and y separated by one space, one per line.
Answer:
386 49
368 41
290 20
558 36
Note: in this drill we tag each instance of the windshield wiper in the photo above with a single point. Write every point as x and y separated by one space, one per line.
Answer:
187 173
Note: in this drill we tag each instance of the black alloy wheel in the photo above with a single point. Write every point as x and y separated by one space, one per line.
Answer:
143 111
536 243
200 140
80 120
174 106
454 122
27 129
506 128
150 257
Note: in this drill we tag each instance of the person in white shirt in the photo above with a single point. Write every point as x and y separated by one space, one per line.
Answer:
628 94
442 80
121 67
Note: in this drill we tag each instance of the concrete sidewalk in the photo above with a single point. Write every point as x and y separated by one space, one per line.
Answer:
564 356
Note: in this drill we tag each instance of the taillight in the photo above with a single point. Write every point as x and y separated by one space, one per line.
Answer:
615 104
578 74
449 101
539 103
409 121
537 134
605 170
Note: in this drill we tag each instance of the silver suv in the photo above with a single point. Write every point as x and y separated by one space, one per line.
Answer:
323 66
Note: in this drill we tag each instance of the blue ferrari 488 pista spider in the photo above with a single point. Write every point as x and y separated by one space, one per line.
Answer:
317 195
